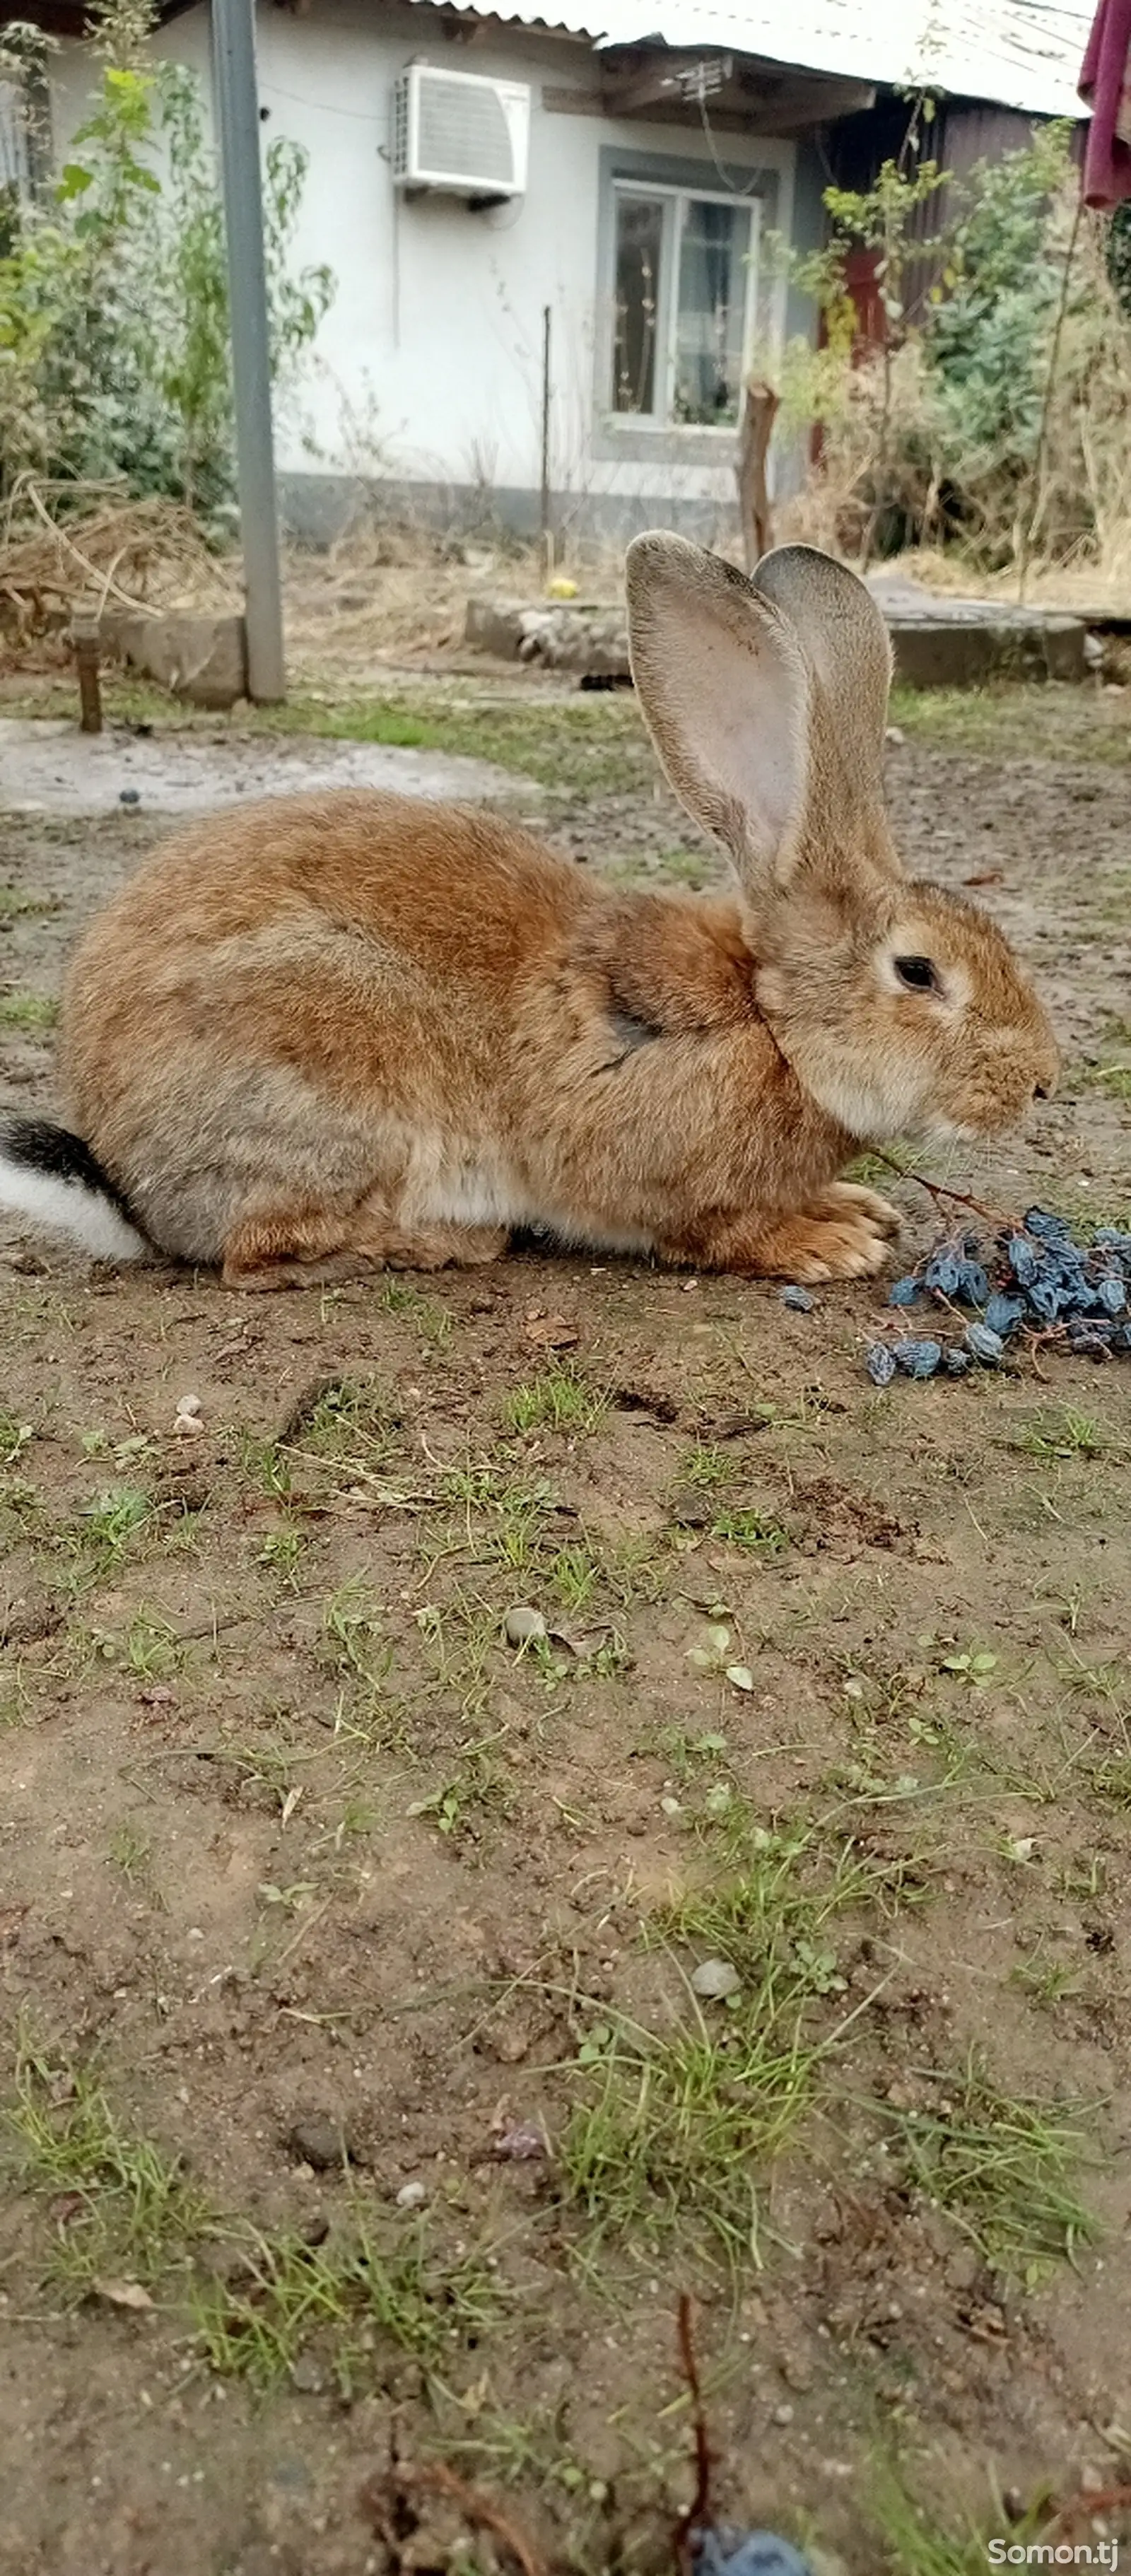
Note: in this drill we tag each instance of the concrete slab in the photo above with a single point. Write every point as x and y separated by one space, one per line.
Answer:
53 768
941 643
938 642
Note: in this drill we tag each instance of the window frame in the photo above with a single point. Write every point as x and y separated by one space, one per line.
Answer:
675 199
764 173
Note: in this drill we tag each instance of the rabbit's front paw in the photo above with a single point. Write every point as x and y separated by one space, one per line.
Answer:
812 1247
846 1198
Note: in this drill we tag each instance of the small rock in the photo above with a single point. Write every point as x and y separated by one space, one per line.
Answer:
782 2415
130 796
524 1627
521 2143
798 1299
122 2294
715 1979
306 2375
895 735
189 1404
318 2141
412 2195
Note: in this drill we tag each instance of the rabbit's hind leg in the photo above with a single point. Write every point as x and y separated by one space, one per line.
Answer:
310 1246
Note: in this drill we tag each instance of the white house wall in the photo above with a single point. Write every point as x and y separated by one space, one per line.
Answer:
428 366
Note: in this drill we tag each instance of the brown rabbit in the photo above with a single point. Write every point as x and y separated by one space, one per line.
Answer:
332 1032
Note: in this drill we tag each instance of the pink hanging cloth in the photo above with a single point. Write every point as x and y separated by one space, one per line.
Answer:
1105 87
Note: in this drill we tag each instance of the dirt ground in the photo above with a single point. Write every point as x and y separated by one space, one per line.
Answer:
360 2112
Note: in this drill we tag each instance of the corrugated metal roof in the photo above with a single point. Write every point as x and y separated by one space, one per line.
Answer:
1019 53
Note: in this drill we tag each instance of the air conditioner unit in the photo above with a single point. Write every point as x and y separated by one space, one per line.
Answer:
460 132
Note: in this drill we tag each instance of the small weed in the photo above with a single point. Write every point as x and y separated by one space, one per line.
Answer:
558 1400
747 1527
17 906
130 2212
685 1754
349 1420
676 2129
574 1575
1045 1980
281 1553
1060 1432
433 1321
708 1466
36 1013
975 1666
999 2167
152 1647
474 1794
915 2544
1114 1080
130 1851
348 2292
353 1634
262 1464
14 1438
505 1522
116 1516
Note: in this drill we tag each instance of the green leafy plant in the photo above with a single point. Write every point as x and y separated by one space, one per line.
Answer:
114 355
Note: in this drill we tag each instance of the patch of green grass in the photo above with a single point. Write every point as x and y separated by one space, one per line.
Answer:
434 1321
745 1526
559 1400
131 1851
1060 1431
17 906
707 1466
1114 1080
914 2543
148 1647
129 2212
14 1438
475 1794
346 1421
1000 2167
505 1522
1007 719
34 1013
353 1634
281 1553
263 1464
127 2216
112 1519
344 2295
676 2128
574 1574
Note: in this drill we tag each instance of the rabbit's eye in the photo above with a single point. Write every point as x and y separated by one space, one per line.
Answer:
917 973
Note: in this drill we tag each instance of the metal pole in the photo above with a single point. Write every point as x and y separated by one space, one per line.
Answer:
237 117
546 528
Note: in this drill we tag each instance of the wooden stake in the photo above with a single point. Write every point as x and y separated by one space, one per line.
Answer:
758 414
86 640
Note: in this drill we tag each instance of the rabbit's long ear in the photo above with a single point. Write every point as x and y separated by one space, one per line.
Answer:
845 642
723 682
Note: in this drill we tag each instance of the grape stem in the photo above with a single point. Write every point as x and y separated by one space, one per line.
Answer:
937 1190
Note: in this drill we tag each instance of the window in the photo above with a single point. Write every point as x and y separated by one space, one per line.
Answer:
683 287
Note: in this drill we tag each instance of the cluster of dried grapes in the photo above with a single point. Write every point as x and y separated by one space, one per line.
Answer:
1042 1281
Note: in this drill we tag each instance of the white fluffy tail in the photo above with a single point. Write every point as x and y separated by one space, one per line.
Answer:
52 1177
